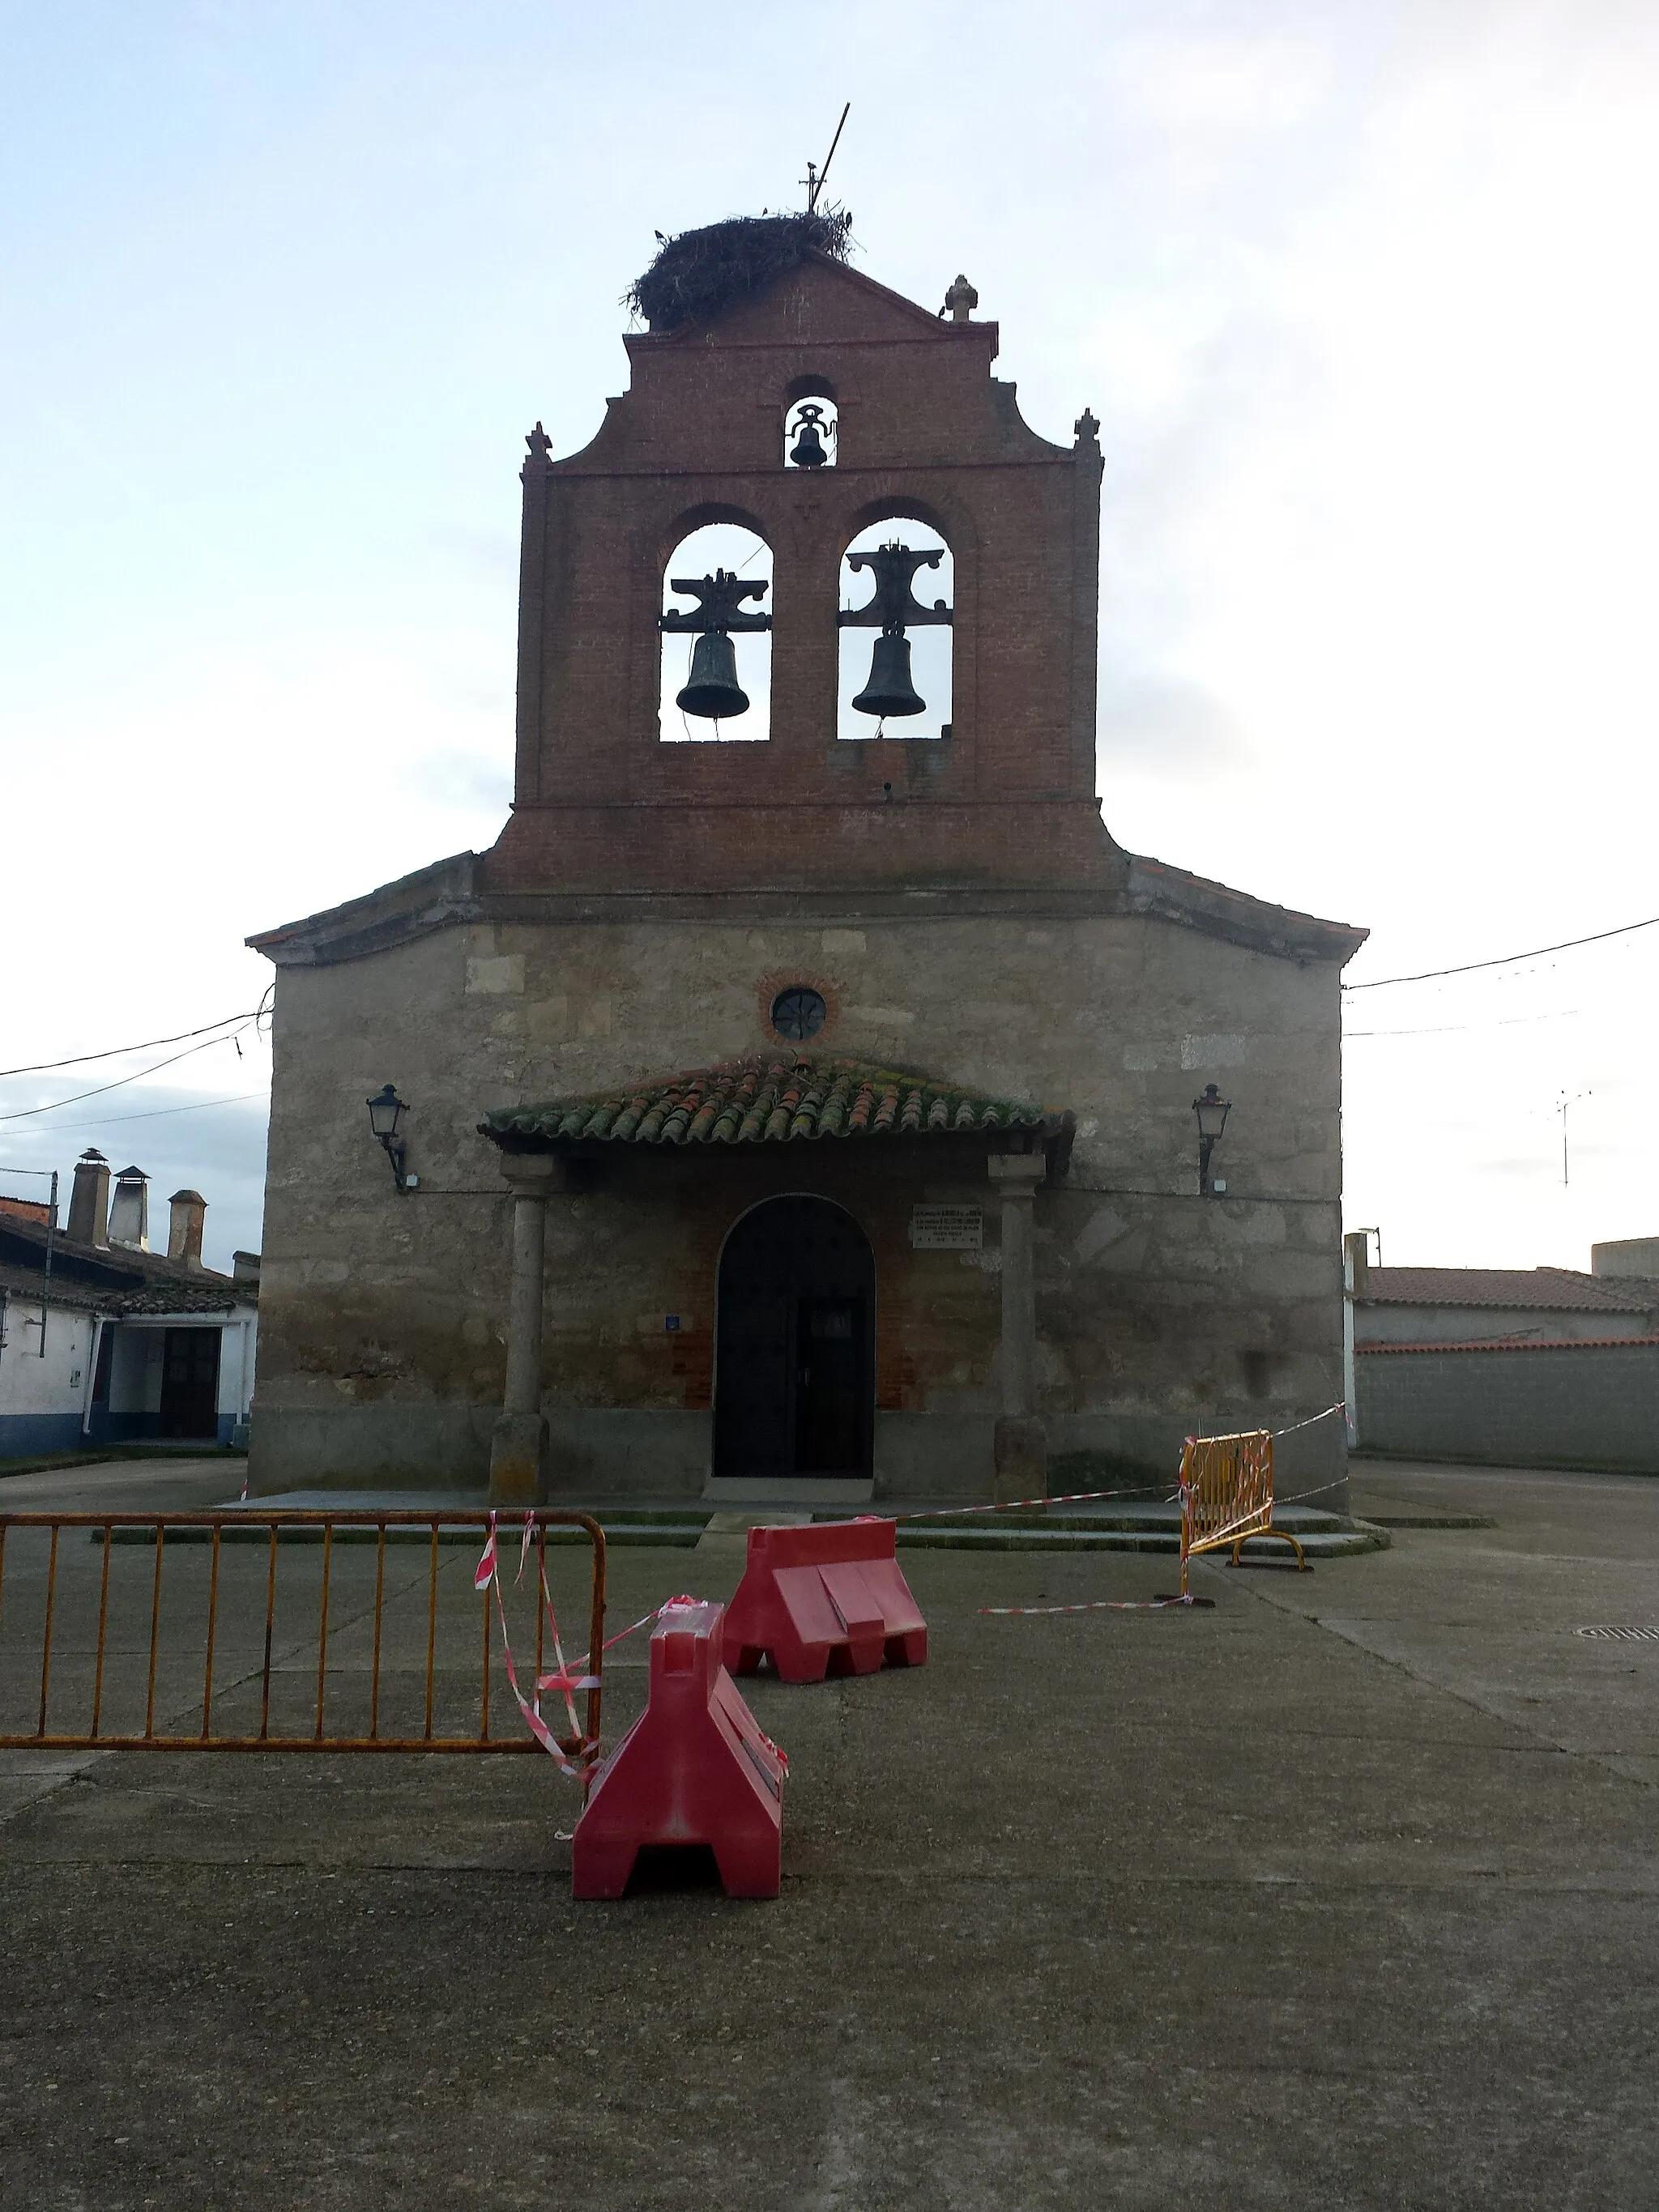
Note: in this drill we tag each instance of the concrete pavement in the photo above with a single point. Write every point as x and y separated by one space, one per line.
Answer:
1343 1894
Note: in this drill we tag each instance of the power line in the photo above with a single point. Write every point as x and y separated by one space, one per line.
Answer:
1461 1028
1507 959
115 1121
77 1060
27 1113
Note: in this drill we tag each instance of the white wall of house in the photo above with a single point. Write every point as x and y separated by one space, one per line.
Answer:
39 1396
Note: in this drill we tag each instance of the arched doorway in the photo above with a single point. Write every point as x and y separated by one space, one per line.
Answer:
794 1361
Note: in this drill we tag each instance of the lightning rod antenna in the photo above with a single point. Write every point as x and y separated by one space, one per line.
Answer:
814 177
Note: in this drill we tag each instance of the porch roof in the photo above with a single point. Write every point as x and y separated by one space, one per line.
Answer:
771 1101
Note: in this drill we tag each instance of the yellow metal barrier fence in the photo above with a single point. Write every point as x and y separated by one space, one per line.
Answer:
1227 1496
395 1653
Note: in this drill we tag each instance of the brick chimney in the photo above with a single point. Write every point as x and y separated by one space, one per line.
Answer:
189 1211
128 1213
88 1217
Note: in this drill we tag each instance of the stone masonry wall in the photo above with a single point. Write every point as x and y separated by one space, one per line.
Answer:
383 1318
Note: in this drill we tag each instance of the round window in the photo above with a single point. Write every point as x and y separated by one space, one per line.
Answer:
798 1012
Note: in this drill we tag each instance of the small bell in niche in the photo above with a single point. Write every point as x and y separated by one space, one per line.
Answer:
808 450
890 689
712 689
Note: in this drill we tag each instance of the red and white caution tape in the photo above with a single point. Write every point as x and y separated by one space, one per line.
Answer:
1104 1605
1093 1496
1014 1504
1312 1420
486 1576
484 1573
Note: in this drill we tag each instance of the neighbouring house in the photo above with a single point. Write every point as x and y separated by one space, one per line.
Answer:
818 1109
1510 1366
1627 1256
104 1342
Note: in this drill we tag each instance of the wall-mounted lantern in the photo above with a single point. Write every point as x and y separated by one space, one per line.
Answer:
1211 1110
386 1111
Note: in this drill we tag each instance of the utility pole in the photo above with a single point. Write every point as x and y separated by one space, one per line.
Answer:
52 1233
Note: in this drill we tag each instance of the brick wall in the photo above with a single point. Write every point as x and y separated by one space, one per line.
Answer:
926 430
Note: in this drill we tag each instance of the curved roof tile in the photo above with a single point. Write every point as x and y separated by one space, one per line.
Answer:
773 1101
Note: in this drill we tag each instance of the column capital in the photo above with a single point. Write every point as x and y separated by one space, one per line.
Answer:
532 1175
1018 1173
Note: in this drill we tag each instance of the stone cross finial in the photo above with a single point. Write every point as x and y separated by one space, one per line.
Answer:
960 300
1087 429
539 443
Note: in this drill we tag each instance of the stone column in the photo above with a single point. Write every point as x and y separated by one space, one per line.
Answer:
1022 1449
518 1451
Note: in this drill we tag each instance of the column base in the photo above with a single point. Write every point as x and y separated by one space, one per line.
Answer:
1020 1451
518 1460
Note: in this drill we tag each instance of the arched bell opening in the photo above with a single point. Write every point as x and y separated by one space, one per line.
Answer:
897 603
795 1344
811 427
716 620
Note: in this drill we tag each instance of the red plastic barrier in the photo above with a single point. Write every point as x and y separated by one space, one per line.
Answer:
695 1768
823 1600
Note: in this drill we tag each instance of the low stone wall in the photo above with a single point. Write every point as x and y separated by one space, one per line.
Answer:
1593 1406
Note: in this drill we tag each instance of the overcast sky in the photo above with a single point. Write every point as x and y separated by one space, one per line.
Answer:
1362 293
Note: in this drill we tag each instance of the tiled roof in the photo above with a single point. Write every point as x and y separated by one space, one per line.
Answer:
218 1295
119 1274
215 1295
1554 1290
25 1283
756 1102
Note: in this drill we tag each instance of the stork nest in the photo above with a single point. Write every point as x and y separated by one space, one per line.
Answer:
701 274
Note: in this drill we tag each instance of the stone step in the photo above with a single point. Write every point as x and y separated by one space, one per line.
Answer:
1322 1544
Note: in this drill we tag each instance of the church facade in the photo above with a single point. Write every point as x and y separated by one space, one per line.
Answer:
818 1111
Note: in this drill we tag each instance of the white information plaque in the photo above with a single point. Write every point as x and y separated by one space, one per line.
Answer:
947 1228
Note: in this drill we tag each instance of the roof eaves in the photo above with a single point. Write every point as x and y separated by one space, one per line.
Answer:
1518 1344
1155 888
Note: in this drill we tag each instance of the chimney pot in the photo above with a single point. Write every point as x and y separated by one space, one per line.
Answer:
188 1212
88 1217
128 1212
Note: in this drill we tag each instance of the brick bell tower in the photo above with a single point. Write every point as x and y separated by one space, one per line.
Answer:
1004 801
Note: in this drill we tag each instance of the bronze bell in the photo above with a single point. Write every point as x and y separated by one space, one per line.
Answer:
890 690
712 689
808 452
